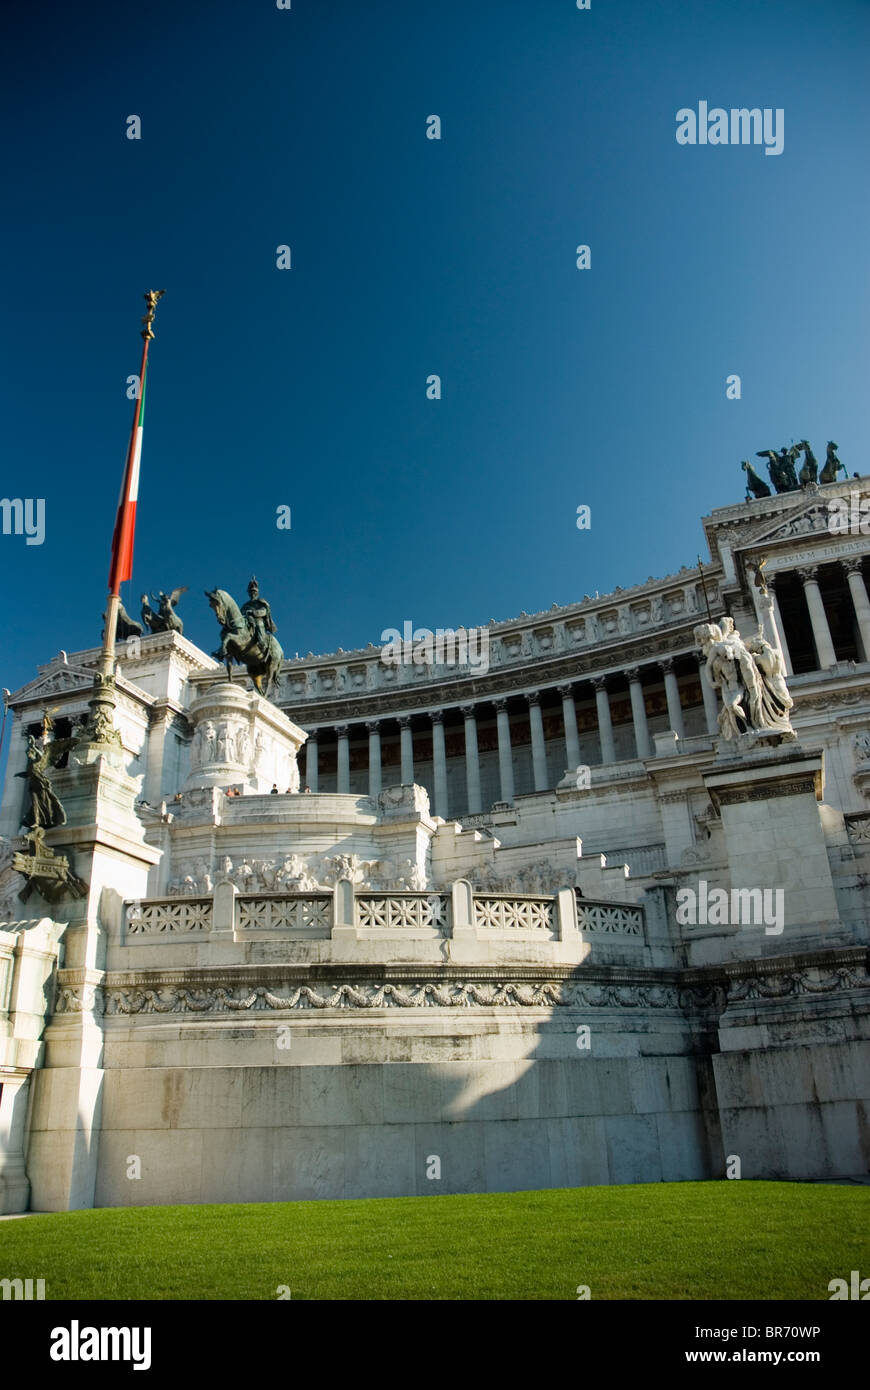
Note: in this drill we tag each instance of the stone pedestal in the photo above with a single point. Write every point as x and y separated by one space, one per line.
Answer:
768 801
241 739
104 840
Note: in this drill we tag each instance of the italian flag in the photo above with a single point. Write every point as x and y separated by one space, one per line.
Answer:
121 568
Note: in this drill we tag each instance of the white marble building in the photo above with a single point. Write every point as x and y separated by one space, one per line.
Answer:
310 994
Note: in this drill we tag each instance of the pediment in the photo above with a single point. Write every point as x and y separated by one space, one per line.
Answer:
811 520
60 680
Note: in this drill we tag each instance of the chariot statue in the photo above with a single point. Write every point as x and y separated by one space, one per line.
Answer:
780 465
165 619
248 637
125 626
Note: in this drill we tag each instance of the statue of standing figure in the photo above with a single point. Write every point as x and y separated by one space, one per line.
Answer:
45 808
749 676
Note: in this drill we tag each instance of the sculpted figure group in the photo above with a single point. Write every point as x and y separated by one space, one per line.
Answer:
247 632
781 467
749 676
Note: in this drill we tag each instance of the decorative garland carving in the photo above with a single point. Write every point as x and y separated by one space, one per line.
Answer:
692 996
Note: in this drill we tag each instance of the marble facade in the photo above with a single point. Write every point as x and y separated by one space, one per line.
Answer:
308 994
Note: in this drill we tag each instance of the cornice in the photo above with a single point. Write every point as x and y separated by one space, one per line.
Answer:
544 672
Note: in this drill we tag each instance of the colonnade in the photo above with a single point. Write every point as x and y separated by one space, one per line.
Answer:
534 700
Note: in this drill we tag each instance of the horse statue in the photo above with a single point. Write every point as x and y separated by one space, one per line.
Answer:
755 485
246 640
781 467
810 471
832 464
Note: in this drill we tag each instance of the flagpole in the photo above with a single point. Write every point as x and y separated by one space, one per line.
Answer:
123 538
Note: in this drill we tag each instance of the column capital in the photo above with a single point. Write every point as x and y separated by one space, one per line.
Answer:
500 703
469 711
598 682
632 673
533 697
342 730
808 574
312 735
853 565
667 664
566 689
373 726
437 716
403 721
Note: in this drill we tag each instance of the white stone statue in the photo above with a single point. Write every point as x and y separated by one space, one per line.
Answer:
290 872
748 676
243 877
208 742
292 774
204 882
243 747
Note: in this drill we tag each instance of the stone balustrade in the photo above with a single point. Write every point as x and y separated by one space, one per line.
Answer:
609 919
174 916
372 914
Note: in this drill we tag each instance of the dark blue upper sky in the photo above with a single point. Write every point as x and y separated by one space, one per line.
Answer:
307 127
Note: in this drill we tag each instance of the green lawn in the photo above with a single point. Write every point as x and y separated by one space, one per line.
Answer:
749 1240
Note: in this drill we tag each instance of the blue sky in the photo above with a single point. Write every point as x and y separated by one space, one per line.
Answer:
307 387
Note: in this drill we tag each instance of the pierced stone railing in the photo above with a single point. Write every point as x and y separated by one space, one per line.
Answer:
514 912
386 911
286 912
608 918
175 915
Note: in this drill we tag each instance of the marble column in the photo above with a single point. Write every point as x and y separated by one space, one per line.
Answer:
672 693
860 602
638 713
311 779
343 775
439 762
780 630
708 694
472 761
605 723
539 751
505 756
818 618
374 728
406 740
569 716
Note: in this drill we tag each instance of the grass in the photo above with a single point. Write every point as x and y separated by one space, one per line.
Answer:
733 1240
